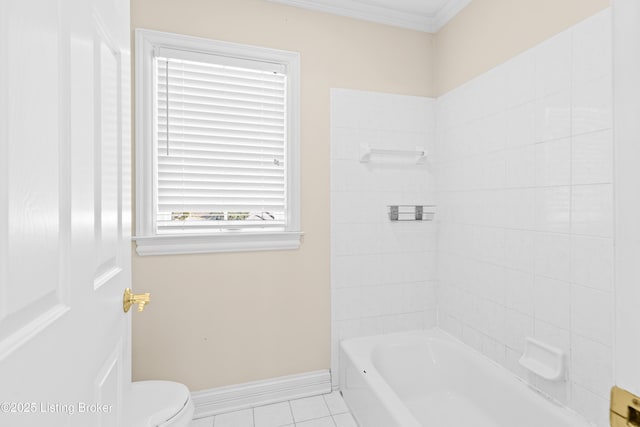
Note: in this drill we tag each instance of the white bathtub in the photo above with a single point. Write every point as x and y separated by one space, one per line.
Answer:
429 379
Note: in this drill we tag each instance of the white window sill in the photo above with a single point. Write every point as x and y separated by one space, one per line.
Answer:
224 242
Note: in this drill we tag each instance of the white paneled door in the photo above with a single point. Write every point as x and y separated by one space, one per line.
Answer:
64 212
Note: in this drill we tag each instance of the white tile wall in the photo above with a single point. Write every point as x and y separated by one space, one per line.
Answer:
524 178
382 273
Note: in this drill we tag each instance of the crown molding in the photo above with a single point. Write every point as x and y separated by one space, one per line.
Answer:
427 22
447 12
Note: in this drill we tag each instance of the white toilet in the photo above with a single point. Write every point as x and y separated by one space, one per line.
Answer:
159 404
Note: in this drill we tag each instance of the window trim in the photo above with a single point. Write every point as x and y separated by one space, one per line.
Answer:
147 241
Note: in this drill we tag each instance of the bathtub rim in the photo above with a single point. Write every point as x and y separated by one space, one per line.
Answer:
359 352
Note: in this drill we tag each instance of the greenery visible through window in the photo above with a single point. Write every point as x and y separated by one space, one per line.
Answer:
220 216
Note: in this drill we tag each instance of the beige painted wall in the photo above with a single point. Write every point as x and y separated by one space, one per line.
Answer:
489 32
224 319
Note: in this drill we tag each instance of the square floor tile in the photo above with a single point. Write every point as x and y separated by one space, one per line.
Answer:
202 422
276 415
309 408
344 420
242 418
335 402
320 422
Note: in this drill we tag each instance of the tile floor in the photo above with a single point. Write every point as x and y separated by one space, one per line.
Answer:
328 410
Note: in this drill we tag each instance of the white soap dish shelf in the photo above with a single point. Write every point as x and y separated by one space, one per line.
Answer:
419 154
543 360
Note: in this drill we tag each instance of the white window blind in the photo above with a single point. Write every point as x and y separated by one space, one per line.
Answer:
220 144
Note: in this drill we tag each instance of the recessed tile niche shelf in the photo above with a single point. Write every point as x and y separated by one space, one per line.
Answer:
411 212
543 360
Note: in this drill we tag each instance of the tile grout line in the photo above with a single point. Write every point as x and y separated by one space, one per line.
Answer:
293 418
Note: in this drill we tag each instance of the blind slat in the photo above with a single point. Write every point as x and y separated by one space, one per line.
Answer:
247 191
227 206
188 84
224 142
253 165
230 177
238 103
221 153
179 125
255 138
226 148
202 96
198 117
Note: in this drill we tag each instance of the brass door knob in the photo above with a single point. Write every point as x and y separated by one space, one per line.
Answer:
130 299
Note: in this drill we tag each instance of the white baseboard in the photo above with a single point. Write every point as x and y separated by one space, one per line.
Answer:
242 396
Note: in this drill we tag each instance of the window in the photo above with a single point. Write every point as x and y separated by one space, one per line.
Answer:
216 146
